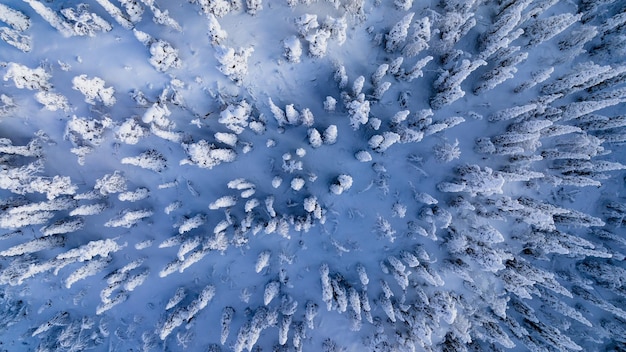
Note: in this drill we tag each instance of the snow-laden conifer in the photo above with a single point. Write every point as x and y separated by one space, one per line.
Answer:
234 63
398 33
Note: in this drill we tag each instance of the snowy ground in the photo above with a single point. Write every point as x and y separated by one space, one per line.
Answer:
316 175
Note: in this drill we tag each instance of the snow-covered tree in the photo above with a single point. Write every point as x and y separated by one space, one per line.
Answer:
216 34
380 72
181 314
381 90
93 89
330 135
291 165
85 23
330 103
223 202
363 156
504 69
187 246
191 223
178 297
229 139
418 41
16 39
384 229
415 71
359 110
24 77
235 117
297 183
52 101
88 209
111 183
380 143
51 17
228 314
337 28
452 27
475 181
279 114
574 43
218 8
544 29
254 6
340 76
34 246
150 159
448 84
292 115
90 269
14 18
578 109
357 86
306 23
583 76
310 312
395 66
341 184
32 149
283 328
293 49
398 33
134 10
134 196
164 18
234 63
101 248
272 289
504 30
446 152
117 14
537 77
129 218
130 132
52 187
318 42
262 261
164 56
63 226
207 155
307 118
511 113
6 105
85 134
